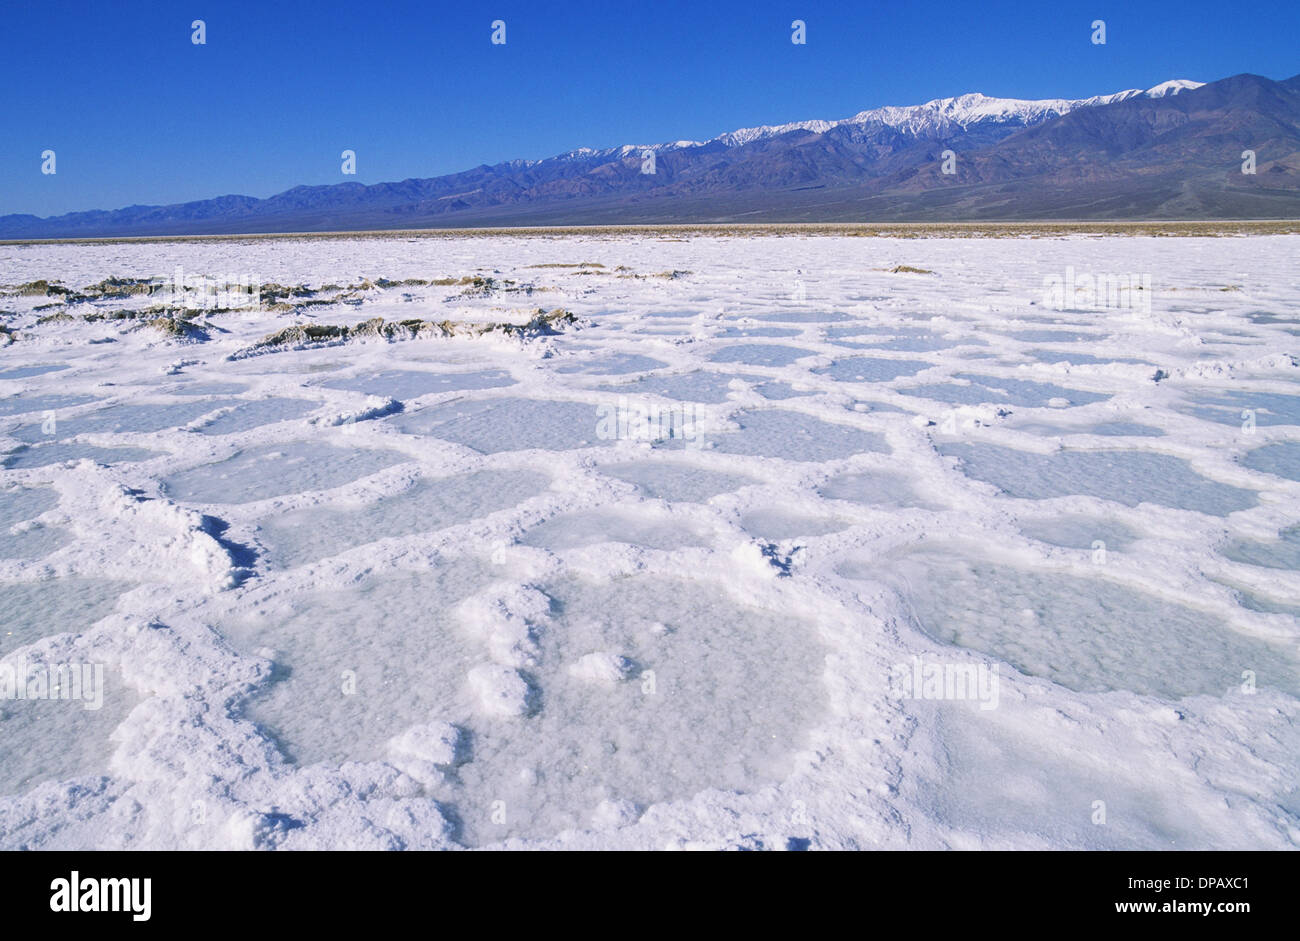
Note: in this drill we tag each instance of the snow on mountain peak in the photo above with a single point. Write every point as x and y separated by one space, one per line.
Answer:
1172 87
962 110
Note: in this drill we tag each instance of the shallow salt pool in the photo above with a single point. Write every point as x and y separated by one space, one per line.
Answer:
618 365
591 527
1127 477
403 384
123 419
32 610
1281 459
315 533
675 483
43 455
61 739
776 524
29 372
792 437
1086 634
274 470
256 414
23 404
869 369
1079 532
20 538
495 425
698 386
1231 408
643 690
1281 553
873 489
356 665
753 354
990 390
716 695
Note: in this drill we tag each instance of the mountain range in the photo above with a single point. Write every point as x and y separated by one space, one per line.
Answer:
1175 151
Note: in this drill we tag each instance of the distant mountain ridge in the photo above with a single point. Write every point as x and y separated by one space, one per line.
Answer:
962 111
1167 152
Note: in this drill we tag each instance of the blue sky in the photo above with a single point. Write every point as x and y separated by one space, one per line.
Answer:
138 114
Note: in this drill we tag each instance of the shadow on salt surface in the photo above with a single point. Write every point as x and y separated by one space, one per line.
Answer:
791 436
61 739
407 384
42 455
275 470
490 426
1127 477
33 610
19 537
1281 553
1079 532
1281 459
754 354
1086 634
992 390
594 738
592 527
123 419
1226 408
674 483
256 414
869 369
315 533
28 372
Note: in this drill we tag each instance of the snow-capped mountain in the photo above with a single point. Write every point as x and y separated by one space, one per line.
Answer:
1172 87
1171 151
917 120
942 113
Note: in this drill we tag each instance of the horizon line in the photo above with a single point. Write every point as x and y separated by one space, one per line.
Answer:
1287 226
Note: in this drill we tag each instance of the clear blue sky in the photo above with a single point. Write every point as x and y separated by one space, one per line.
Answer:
138 114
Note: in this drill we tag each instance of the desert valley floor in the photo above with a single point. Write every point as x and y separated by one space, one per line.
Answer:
651 541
